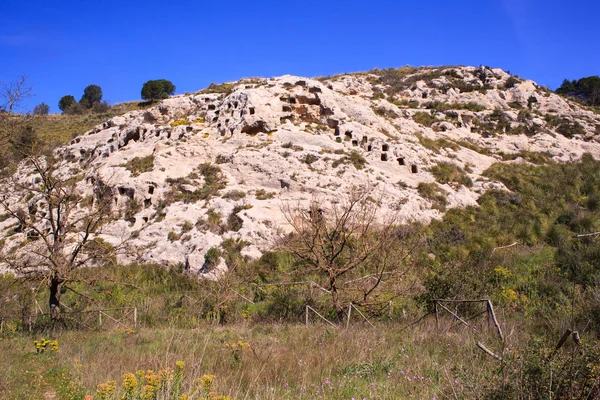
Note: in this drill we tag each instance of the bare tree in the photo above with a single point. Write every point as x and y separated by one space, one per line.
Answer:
12 93
349 245
58 227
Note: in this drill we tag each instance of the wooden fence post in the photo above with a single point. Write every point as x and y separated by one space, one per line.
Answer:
306 316
99 319
135 317
496 324
348 318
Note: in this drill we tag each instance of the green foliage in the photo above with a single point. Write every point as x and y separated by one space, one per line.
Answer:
440 106
586 90
223 88
211 258
234 195
262 194
569 128
92 94
139 165
547 208
310 158
511 82
445 172
41 109
438 144
65 102
433 193
157 89
214 182
354 158
425 119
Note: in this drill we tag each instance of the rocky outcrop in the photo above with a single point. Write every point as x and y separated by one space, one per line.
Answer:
290 140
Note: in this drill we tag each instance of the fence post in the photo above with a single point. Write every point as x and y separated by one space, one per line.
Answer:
348 318
135 317
391 310
99 319
437 320
306 316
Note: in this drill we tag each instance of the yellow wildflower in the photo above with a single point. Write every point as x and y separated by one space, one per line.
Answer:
130 382
148 392
206 382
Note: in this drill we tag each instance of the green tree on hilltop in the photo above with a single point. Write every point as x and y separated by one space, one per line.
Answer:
65 102
157 89
92 94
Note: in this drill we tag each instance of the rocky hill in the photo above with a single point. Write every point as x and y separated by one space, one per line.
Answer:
223 162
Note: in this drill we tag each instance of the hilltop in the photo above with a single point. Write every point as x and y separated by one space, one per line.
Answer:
224 162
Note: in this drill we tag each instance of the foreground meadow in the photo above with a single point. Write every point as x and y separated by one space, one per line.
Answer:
254 362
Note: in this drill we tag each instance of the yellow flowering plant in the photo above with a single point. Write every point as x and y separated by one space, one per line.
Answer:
42 345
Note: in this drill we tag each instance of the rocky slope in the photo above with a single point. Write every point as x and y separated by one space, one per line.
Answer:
223 163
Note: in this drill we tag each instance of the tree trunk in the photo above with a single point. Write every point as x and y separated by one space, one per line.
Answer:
54 301
335 299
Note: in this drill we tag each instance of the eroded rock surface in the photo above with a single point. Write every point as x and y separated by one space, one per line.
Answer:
290 140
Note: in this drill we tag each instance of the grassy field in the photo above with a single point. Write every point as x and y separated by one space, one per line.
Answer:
264 361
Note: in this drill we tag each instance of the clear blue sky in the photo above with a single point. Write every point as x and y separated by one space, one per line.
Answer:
65 45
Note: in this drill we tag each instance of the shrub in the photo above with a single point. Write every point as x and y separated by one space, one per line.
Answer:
445 172
75 109
139 165
157 89
100 107
41 109
224 88
214 181
516 105
436 145
433 193
211 258
310 158
569 128
510 82
65 102
234 222
354 158
261 194
172 236
425 119
234 195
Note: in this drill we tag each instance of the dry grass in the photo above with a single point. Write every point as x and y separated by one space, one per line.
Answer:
282 361
59 129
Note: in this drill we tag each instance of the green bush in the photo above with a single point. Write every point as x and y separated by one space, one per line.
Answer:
139 165
65 102
157 89
41 109
433 193
425 119
445 172
211 258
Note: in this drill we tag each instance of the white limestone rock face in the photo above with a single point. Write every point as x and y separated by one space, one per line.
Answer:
291 140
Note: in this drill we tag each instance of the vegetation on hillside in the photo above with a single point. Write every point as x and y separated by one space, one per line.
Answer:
532 251
585 90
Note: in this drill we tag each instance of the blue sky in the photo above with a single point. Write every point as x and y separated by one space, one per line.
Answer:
67 45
